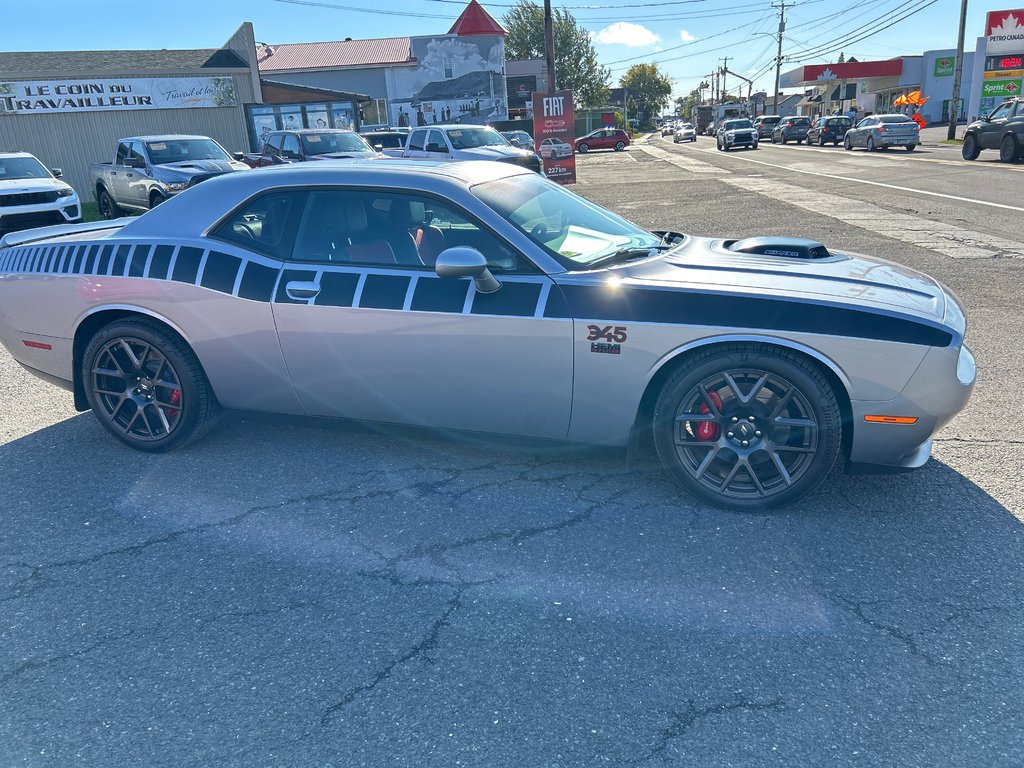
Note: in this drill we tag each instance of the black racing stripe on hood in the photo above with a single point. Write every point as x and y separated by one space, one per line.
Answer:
647 305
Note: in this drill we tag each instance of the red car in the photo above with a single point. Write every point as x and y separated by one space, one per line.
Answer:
603 138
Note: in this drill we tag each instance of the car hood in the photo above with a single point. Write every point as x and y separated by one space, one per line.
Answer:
343 155
491 153
12 186
843 278
186 169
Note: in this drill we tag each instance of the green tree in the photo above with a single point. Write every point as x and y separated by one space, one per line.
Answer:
576 66
648 88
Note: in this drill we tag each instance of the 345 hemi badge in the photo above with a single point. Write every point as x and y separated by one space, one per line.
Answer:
613 337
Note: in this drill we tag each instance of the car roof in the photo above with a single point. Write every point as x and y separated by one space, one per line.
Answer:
16 153
455 126
314 130
164 137
194 211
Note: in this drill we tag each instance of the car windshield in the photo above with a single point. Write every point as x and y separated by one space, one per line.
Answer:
386 140
800 120
894 119
560 221
770 120
22 168
468 138
183 150
327 142
732 125
687 125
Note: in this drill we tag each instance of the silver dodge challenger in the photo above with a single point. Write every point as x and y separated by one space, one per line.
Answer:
480 296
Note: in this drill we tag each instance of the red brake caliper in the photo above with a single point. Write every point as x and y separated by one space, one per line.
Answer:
709 430
175 399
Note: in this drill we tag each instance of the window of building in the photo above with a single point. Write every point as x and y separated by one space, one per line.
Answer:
448 69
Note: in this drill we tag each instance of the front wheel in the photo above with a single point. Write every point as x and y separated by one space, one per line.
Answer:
108 208
748 426
1009 150
847 144
971 149
583 148
619 146
821 141
146 386
155 199
871 144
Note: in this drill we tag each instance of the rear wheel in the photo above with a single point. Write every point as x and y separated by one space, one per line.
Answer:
911 147
108 208
847 144
619 146
871 144
784 140
146 386
1009 150
799 141
748 426
821 141
583 148
971 149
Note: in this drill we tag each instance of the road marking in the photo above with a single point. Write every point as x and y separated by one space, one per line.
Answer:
680 161
870 183
947 239
907 157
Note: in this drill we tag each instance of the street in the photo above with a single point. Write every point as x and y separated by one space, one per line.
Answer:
309 593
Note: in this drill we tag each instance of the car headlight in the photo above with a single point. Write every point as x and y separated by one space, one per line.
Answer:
966 369
177 186
68 192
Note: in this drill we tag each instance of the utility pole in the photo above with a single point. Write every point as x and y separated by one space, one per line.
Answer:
954 102
549 45
778 57
724 70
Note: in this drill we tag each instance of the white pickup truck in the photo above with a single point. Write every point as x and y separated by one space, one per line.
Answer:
147 170
466 142
32 196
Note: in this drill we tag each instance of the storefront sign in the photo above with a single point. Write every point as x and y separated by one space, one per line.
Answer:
41 97
1005 75
944 66
1001 88
554 134
1004 31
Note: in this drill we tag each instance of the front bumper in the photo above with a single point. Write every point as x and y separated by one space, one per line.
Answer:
938 390
66 210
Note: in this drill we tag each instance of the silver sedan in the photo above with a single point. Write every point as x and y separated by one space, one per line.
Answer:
481 296
884 131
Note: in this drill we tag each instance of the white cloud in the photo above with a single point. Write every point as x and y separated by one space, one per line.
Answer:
624 33
685 36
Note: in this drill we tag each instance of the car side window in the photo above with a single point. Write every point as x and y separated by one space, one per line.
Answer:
1002 112
393 229
274 145
417 140
436 142
266 224
290 148
122 153
136 153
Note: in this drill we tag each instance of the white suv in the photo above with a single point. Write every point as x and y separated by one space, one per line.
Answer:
32 196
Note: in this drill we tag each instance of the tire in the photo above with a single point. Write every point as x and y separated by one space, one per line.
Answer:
754 145
971 148
693 139
799 141
767 384
911 147
835 143
871 144
1009 149
155 199
108 208
619 146
821 141
785 140
154 374
847 144
583 148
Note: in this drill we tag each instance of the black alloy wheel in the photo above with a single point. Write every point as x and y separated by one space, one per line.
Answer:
748 426
155 199
1009 150
108 208
146 386
971 148
821 141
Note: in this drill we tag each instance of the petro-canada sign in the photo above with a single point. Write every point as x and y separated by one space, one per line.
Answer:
1004 31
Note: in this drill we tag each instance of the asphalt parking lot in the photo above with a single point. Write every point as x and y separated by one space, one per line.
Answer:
316 594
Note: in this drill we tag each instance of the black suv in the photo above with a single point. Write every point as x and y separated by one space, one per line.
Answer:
826 129
1003 129
791 129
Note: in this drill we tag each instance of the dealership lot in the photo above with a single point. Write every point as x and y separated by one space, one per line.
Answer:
316 594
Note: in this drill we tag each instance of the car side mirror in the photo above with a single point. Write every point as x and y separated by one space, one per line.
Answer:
379 147
57 172
462 261
239 156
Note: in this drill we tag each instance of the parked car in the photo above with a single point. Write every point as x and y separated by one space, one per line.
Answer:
791 129
32 196
487 298
736 133
391 143
306 144
1002 129
467 142
147 170
829 129
520 139
668 128
685 132
603 138
765 124
555 148
882 132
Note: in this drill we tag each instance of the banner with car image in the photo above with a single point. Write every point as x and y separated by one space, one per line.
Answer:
554 129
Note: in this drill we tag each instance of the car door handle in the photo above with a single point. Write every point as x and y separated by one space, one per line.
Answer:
300 289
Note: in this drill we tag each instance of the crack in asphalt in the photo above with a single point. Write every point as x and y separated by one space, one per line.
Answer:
907 638
683 721
30 665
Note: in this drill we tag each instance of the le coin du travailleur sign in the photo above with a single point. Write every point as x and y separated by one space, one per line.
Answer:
40 97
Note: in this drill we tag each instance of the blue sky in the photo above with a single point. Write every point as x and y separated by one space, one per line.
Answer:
687 39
